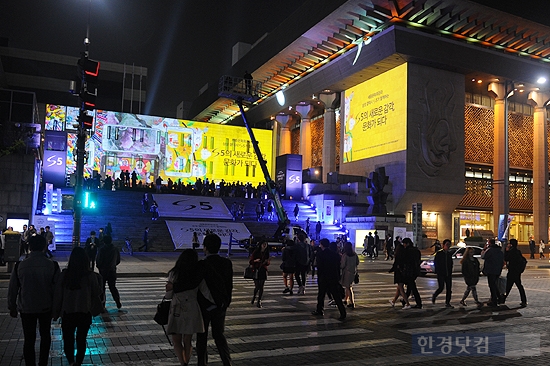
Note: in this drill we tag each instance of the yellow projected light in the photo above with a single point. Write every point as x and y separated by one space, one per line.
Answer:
197 149
376 116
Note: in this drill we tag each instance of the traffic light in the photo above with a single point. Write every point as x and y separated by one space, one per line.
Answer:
86 121
88 71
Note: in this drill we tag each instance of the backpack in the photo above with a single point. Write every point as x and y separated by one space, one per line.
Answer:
303 253
522 264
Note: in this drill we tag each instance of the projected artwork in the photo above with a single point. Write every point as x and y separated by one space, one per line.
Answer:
176 149
376 116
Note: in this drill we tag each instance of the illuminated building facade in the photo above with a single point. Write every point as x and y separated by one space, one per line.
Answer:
446 95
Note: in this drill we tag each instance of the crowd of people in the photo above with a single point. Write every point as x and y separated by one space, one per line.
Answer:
200 187
39 292
201 291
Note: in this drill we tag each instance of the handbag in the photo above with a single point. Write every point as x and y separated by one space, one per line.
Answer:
250 273
356 278
163 309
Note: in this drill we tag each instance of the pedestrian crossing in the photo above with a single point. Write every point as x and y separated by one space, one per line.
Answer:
283 331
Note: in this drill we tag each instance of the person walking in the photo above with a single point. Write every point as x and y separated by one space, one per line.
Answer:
195 240
49 241
30 293
185 318
328 279
492 268
388 245
260 260
296 212
398 269
541 249
443 263
90 248
470 271
289 266
303 254
412 271
109 230
107 260
218 273
145 245
77 297
515 262
532 247
348 264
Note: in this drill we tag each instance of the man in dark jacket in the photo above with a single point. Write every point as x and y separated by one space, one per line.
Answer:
90 247
443 263
218 274
516 264
30 293
412 270
328 277
492 268
107 260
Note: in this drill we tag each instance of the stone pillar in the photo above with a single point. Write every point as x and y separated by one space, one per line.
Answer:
305 134
501 194
329 134
445 226
284 138
540 165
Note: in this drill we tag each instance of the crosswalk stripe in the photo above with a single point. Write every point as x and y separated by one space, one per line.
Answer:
287 321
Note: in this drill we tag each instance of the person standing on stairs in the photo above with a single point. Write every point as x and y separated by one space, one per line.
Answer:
318 228
296 212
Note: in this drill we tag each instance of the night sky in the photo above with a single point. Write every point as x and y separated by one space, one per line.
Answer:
180 42
183 43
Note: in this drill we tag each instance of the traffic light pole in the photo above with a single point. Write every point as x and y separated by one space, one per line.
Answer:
79 187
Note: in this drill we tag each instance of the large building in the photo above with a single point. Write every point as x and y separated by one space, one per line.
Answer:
448 96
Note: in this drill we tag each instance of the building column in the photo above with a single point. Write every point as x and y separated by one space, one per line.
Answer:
284 137
501 195
445 226
329 134
540 165
305 134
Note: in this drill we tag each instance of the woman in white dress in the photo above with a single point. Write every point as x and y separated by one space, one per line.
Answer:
185 317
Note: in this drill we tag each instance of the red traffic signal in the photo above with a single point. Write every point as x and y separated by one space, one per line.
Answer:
86 121
88 70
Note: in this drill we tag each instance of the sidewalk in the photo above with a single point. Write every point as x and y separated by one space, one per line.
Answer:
157 264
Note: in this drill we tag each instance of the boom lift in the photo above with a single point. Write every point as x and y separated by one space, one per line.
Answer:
246 89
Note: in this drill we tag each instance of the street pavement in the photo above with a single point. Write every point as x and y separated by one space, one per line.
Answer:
284 332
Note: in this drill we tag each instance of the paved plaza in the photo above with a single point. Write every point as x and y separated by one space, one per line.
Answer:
284 332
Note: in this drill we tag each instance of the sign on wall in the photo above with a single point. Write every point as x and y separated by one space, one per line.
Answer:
376 116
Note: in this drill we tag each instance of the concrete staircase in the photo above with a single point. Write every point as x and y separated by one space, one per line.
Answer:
123 210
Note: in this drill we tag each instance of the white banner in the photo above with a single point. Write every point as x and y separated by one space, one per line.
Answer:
192 207
182 231
328 213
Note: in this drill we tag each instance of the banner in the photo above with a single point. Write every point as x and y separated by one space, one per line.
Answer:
192 207
182 231
328 212
376 116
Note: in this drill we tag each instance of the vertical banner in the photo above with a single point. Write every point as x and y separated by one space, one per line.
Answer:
504 226
49 199
328 212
